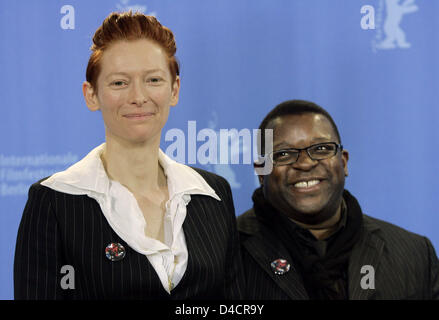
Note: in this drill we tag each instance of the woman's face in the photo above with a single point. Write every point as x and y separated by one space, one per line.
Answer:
134 91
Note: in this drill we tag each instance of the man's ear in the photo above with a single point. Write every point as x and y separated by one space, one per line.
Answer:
345 159
260 177
175 91
90 96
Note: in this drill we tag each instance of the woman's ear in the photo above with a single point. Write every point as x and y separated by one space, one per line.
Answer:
175 91
90 96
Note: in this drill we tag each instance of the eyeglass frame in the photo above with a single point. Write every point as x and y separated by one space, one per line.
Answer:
338 147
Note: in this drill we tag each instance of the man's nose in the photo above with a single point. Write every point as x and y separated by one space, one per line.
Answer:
304 161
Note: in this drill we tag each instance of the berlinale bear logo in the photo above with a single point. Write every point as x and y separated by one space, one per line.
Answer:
391 26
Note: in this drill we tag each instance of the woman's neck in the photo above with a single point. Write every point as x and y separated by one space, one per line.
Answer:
134 165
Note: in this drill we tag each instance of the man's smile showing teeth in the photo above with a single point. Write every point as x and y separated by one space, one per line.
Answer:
306 184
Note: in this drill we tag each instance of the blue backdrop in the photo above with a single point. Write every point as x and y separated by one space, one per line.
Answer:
373 64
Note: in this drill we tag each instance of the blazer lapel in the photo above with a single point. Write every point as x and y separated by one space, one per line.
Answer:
265 249
367 252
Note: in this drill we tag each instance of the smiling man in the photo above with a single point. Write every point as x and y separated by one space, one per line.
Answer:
306 236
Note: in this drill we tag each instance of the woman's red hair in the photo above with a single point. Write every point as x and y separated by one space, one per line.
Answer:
130 26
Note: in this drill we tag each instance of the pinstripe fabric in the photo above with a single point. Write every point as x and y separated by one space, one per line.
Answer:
405 264
61 229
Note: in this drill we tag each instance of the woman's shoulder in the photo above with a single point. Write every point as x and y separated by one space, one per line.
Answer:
212 179
222 188
39 190
39 198
39 187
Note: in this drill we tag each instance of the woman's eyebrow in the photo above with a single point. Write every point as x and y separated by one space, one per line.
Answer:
122 73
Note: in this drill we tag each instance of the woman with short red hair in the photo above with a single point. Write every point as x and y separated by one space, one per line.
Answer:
130 222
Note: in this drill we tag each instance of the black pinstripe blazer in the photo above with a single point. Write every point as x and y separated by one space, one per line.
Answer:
61 229
405 264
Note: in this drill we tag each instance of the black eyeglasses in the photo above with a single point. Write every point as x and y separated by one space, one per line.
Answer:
318 151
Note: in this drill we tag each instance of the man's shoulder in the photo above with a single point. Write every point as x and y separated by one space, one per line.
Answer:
248 222
392 233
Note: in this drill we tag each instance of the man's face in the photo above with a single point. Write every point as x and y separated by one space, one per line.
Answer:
284 188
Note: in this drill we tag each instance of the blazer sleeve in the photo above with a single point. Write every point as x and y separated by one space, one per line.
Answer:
235 277
433 271
38 256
